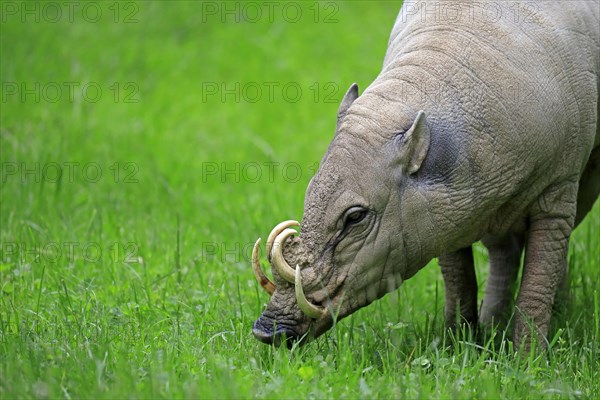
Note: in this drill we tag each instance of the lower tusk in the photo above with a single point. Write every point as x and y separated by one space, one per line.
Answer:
276 231
307 308
258 272
277 261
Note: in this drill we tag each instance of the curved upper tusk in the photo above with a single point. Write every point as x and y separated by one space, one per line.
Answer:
258 272
277 260
276 231
307 308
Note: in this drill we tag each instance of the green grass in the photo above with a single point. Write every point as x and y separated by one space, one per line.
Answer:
136 283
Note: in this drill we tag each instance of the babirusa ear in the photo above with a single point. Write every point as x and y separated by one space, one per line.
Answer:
415 143
349 97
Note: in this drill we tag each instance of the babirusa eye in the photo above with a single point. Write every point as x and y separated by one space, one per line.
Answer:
354 215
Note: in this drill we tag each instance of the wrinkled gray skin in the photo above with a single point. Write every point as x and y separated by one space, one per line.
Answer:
506 151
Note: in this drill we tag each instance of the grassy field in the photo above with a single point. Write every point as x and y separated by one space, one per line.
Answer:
145 146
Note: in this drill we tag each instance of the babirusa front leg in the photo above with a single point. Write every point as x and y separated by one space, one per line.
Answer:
505 259
458 271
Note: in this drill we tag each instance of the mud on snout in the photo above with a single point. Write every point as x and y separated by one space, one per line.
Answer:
290 316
